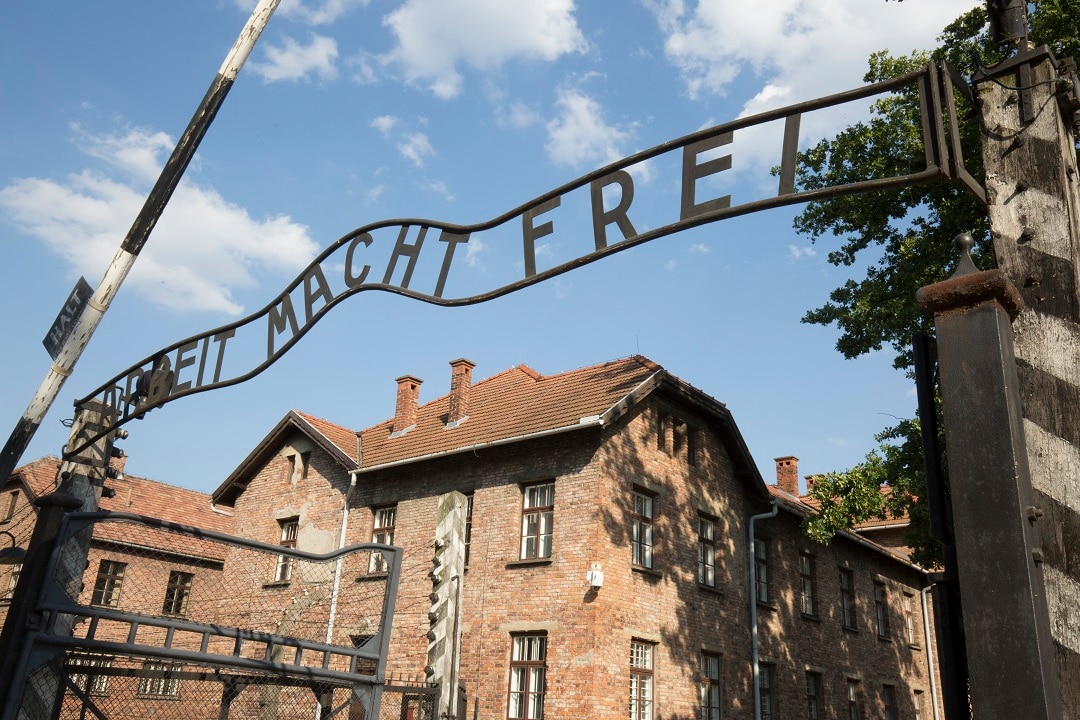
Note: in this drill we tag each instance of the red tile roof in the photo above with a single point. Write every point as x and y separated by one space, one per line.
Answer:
342 437
513 404
142 496
39 475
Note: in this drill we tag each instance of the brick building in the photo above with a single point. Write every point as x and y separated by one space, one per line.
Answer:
609 552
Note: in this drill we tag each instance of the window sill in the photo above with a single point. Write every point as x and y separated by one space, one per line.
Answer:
530 562
850 629
767 605
811 618
710 589
884 639
276 584
372 577
647 571
914 646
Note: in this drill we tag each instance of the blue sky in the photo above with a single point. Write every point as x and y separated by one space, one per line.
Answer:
350 112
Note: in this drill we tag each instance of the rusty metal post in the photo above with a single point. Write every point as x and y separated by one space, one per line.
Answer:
1010 651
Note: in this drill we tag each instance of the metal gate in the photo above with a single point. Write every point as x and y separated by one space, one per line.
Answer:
171 621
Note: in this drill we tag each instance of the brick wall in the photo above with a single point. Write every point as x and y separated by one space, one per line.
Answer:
662 450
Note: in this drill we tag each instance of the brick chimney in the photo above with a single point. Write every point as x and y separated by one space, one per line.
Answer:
460 382
408 397
787 474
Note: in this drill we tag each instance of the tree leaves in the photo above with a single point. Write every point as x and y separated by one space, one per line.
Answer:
904 239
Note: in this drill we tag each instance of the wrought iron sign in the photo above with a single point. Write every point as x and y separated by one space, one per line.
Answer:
594 214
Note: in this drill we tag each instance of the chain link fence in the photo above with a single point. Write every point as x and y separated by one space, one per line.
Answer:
97 686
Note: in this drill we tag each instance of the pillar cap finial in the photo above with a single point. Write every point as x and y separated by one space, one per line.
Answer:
963 243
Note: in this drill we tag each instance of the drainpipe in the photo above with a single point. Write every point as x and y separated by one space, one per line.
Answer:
753 607
929 649
337 563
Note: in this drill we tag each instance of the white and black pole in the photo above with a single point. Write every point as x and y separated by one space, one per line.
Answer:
65 359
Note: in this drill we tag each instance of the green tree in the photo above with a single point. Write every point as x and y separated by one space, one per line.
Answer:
905 238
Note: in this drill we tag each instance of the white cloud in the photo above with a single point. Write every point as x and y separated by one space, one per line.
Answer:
794 50
788 40
416 146
475 250
439 188
373 195
797 252
579 137
292 61
137 152
384 124
201 251
700 248
363 68
518 115
316 13
670 265
435 37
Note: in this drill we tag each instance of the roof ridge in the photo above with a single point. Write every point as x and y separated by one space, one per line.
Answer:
640 359
309 417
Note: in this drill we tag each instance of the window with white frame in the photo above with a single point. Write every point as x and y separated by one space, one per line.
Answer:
88 680
528 666
177 593
382 531
847 598
288 530
888 698
641 529
770 701
910 630
157 679
13 579
110 578
761 569
706 551
917 701
711 689
537 515
881 611
815 704
641 680
808 584
853 701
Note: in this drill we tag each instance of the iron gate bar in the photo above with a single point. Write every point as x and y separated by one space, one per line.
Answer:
952 82
933 131
161 384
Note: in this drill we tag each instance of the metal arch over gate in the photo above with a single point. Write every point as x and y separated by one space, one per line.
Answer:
233 353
